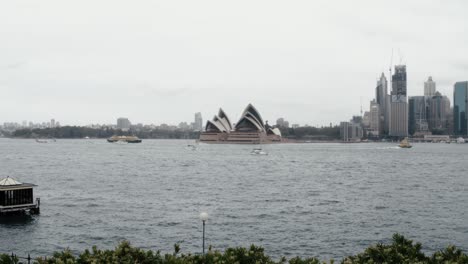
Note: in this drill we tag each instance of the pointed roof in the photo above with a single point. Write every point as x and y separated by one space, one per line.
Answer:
250 108
212 126
250 119
246 123
221 123
222 115
9 181
275 131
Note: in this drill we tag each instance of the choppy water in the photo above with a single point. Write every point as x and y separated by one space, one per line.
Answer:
326 200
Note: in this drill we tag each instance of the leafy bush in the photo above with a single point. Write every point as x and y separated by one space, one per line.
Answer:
401 250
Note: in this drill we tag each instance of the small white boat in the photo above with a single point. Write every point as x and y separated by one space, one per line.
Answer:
460 140
258 151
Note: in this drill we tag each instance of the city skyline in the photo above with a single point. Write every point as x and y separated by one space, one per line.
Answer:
144 59
382 97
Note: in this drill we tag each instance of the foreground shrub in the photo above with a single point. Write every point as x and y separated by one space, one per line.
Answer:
449 255
401 250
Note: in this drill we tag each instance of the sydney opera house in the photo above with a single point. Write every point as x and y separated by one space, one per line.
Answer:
250 129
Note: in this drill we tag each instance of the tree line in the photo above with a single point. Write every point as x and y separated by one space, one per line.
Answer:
82 132
311 133
400 250
300 133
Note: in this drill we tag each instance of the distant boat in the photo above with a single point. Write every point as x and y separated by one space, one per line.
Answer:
124 139
45 140
258 151
192 147
460 140
405 143
86 137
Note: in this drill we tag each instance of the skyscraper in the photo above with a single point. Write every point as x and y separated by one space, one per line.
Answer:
374 122
439 108
460 108
123 123
417 115
381 94
198 125
399 104
429 87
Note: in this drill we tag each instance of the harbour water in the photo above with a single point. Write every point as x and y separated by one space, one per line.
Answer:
327 200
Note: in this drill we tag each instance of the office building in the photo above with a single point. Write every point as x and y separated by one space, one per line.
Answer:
350 131
366 119
460 99
429 87
399 105
374 119
123 123
417 115
439 109
198 124
381 97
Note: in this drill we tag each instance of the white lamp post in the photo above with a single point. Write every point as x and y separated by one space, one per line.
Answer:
204 217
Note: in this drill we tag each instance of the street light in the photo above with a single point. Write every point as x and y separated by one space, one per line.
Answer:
204 217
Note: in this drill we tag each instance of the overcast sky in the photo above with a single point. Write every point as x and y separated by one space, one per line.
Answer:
311 62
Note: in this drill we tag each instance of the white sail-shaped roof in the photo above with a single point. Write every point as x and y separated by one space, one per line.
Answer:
9 181
212 126
225 119
251 109
276 131
221 123
258 122
250 120
247 123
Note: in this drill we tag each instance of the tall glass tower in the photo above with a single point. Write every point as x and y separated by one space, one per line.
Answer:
399 103
417 114
460 98
381 95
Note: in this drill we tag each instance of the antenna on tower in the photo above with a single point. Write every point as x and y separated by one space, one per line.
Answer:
390 69
391 63
360 99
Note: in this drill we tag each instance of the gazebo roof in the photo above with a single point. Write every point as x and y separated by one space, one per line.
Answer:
8 183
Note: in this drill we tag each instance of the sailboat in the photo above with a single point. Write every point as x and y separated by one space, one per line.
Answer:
405 143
